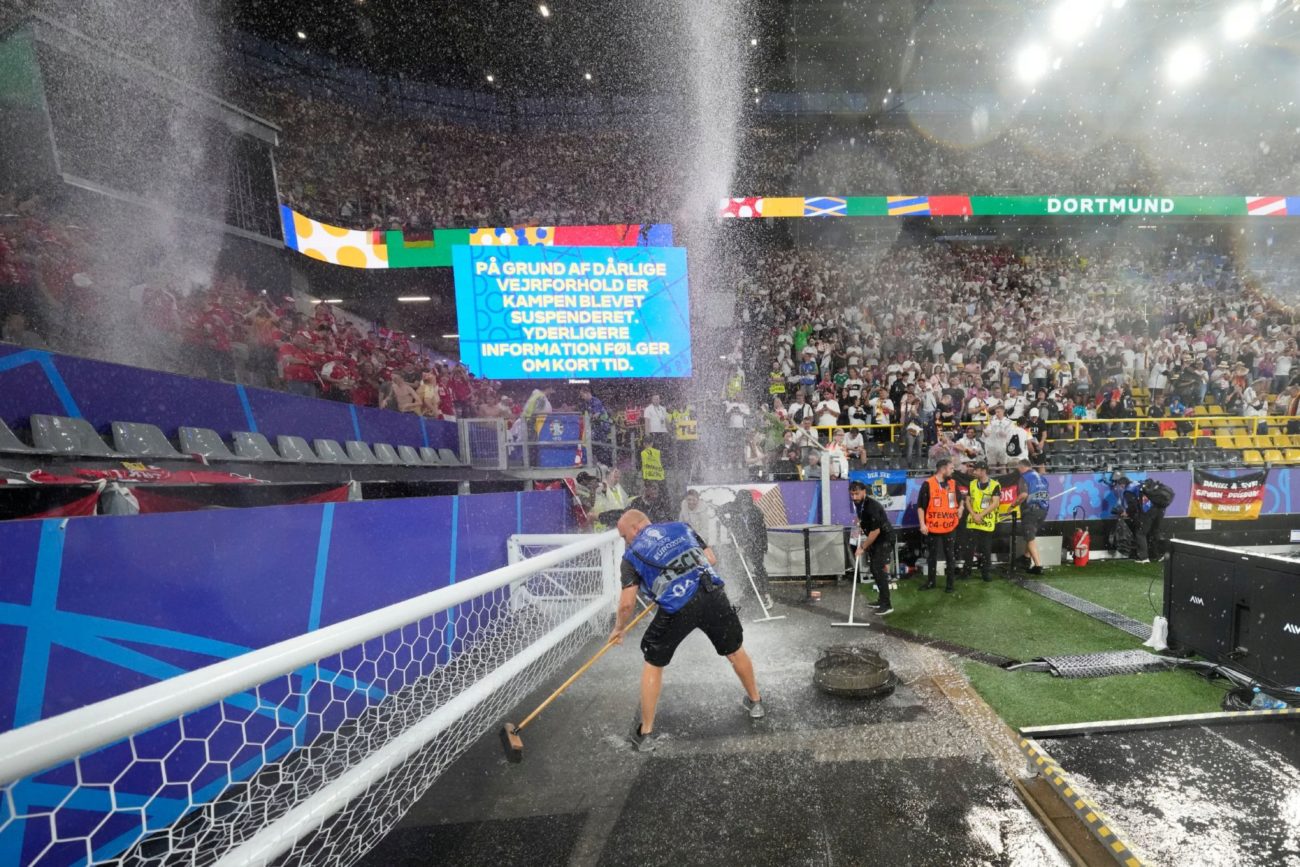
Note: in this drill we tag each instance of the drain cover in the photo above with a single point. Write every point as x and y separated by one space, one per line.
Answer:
853 671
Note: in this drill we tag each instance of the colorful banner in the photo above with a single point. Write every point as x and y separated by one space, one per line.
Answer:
751 207
363 248
1228 498
887 487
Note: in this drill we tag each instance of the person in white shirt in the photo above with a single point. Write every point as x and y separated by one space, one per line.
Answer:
1015 404
999 431
656 423
828 411
855 446
805 436
839 456
737 413
969 447
700 515
799 408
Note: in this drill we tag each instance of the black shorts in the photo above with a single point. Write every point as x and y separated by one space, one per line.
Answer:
710 612
1030 522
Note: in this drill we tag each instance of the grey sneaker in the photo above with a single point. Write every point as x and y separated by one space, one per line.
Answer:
755 708
643 743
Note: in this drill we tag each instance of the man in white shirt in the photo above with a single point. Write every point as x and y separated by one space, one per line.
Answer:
656 423
969 447
828 411
805 436
700 515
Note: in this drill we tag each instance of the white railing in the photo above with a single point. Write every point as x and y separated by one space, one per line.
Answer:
64 738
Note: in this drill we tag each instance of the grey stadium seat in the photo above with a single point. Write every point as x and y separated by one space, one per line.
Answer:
253 447
409 456
430 456
205 441
385 454
359 453
142 441
330 452
295 449
449 458
9 442
69 436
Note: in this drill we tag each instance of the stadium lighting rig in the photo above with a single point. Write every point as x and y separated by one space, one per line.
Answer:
1186 63
1239 21
1032 63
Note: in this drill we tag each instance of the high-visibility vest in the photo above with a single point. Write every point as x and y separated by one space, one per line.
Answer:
978 498
776 383
652 467
942 510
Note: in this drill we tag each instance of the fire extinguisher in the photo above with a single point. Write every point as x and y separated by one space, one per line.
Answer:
1080 544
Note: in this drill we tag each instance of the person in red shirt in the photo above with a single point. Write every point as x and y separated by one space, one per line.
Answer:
296 364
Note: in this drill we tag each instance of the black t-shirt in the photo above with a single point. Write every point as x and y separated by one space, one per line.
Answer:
871 516
1037 427
627 572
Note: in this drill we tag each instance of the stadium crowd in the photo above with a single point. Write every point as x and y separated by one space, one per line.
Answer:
920 341
370 167
55 297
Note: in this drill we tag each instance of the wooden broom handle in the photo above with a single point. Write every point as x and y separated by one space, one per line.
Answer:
589 663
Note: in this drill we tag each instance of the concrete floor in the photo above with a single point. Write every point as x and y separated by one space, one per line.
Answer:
822 780
1205 795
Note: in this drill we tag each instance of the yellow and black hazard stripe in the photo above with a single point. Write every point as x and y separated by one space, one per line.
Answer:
1088 812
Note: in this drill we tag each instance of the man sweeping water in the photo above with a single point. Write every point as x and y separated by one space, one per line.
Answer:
673 566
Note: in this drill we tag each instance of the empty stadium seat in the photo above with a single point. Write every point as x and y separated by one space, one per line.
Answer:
1252 456
448 458
295 449
1273 456
358 452
204 441
430 456
1292 456
253 447
9 442
69 436
409 456
330 452
142 441
385 454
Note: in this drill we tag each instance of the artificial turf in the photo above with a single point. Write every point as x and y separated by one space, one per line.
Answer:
1004 619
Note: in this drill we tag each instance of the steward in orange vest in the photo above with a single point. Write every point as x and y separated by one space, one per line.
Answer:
939 511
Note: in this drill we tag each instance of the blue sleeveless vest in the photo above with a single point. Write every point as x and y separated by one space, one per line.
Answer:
670 563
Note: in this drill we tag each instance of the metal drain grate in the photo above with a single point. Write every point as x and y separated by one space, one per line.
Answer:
1107 663
1092 609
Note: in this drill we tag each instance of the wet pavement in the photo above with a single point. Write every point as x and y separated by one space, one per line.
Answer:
1207 795
822 780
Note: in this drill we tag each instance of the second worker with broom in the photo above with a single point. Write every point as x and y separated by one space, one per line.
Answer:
674 567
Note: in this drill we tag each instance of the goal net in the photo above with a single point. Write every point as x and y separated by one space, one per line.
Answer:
309 751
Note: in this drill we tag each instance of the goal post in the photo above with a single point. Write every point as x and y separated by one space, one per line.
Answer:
308 749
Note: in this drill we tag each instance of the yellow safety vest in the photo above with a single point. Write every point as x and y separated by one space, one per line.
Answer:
776 383
652 466
978 498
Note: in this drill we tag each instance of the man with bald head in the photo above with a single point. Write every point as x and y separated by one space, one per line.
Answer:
671 565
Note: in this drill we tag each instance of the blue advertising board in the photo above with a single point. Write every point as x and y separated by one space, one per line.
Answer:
537 312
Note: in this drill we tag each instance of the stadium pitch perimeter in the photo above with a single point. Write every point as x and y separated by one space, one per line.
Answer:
928 775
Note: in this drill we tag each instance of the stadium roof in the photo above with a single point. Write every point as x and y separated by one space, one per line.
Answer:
824 46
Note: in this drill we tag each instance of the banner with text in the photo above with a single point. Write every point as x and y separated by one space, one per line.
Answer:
1227 498
584 312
